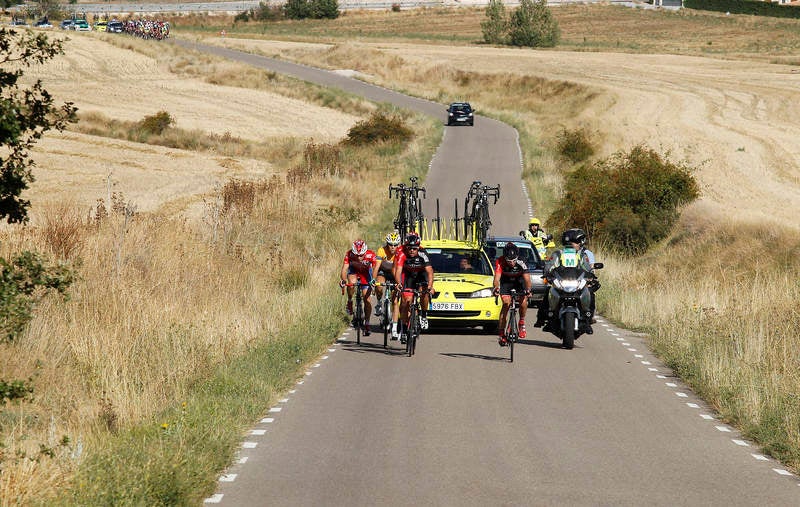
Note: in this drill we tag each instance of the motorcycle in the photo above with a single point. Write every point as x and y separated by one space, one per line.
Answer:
570 298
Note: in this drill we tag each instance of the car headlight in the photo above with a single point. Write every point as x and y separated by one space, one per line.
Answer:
483 293
470 114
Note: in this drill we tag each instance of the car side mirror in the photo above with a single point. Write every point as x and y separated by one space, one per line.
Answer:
598 265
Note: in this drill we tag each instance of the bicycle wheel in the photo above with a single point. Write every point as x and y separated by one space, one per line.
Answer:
513 333
412 331
386 319
358 320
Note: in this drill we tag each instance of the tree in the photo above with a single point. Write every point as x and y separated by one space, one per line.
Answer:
315 9
532 24
495 25
26 113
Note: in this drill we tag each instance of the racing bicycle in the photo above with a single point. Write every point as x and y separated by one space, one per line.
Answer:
512 323
410 333
358 309
385 304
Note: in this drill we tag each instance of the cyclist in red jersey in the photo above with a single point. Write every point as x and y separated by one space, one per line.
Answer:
413 269
357 268
511 272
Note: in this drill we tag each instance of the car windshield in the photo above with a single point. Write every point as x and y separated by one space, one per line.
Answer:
459 260
461 108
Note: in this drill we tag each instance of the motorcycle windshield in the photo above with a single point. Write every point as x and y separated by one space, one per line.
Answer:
566 273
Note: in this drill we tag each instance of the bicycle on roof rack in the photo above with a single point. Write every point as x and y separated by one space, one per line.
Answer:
409 213
476 210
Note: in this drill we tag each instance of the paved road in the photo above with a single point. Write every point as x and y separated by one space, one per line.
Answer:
603 424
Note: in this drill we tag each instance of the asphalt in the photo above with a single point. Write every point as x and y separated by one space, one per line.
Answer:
458 424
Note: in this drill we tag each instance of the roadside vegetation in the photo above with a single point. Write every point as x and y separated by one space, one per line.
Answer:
716 295
137 389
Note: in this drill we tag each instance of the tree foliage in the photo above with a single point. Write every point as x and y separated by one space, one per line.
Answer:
627 202
532 24
314 9
26 113
495 26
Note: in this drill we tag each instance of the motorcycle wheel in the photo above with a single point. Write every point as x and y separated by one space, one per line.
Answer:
569 331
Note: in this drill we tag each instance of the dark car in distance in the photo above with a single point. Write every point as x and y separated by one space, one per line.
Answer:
460 113
114 27
67 24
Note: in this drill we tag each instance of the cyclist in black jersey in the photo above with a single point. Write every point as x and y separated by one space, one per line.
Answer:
511 272
413 270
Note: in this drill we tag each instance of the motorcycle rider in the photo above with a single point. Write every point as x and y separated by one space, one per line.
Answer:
536 235
576 240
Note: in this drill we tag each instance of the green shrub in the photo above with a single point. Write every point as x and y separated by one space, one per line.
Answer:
157 123
15 390
532 24
495 26
314 9
575 145
23 282
379 127
628 201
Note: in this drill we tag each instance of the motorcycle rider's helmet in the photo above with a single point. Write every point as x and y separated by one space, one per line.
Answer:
511 251
412 240
393 238
573 236
359 247
534 221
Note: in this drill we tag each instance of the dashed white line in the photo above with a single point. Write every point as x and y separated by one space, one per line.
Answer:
760 457
638 356
316 365
693 405
626 344
242 461
653 369
661 376
331 350
227 478
707 417
723 429
275 409
632 349
781 471
292 391
604 325
646 363
214 498
620 339
300 382
249 445
671 384
268 420
258 432
740 443
682 395
308 373
324 357
284 400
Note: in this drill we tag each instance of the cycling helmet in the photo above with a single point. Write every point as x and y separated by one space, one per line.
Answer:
393 238
511 251
573 236
412 240
359 247
534 221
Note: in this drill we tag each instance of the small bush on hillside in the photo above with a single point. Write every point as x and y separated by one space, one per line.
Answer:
157 123
264 12
495 26
319 160
532 24
575 145
24 281
379 128
314 9
627 202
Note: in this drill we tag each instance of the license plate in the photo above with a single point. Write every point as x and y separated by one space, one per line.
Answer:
448 306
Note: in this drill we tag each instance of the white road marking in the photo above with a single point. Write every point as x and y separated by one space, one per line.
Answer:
331 350
308 373
249 445
626 344
214 498
284 400
605 325
300 382
227 478
268 420
653 369
632 349
292 391
242 461
646 363
324 357
760 457
723 429
707 417
741 443
638 356
671 384
661 376
316 365
275 409
258 432
682 395
781 471
620 339
693 405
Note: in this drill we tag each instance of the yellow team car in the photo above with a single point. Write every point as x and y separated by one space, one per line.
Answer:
463 278
101 26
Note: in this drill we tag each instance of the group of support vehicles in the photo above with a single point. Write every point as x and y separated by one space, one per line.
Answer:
457 271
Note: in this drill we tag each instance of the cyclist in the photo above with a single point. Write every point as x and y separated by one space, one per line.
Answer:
536 235
382 272
357 268
413 269
511 272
